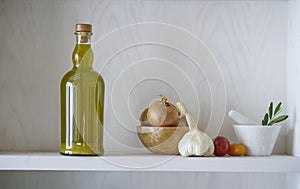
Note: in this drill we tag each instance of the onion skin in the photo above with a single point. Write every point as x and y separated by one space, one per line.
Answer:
163 114
182 122
143 118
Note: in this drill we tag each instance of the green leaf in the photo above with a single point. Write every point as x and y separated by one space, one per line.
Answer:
277 109
278 119
266 119
271 110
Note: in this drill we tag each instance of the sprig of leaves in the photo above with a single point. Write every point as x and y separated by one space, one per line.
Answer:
270 118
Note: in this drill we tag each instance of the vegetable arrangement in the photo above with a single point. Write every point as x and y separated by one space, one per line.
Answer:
198 143
162 114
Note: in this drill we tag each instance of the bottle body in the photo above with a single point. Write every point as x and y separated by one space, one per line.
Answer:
82 106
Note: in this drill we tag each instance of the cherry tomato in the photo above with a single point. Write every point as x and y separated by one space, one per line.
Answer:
236 150
221 146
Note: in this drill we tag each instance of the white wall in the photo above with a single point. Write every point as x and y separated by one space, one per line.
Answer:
293 76
246 38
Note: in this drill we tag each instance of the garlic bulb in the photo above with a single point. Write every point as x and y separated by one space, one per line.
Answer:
194 142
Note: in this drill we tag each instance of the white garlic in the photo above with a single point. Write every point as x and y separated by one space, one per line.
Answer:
194 142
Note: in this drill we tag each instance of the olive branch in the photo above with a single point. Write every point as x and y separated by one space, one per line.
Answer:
270 117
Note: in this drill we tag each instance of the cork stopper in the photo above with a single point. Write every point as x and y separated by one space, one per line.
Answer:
83 28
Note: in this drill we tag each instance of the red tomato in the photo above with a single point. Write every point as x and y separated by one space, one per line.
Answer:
221 146
236 150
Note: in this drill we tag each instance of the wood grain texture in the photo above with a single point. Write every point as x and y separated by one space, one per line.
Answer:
247 38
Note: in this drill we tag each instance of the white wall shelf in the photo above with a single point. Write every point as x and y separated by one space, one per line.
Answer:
148 162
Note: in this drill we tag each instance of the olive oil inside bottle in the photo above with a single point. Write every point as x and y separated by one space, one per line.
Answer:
82 103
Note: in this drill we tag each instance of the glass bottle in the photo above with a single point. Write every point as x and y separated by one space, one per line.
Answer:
82 101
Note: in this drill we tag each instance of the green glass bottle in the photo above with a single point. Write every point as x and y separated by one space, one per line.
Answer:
82 101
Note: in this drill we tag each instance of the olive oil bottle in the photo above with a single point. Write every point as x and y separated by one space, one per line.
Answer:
82 101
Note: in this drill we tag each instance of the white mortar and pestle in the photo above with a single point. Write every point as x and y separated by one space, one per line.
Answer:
258 139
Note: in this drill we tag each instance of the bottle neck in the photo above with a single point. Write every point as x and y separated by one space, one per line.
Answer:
83 38
83 55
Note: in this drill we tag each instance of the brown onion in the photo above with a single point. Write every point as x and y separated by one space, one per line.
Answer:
143 118
182 122
162 113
